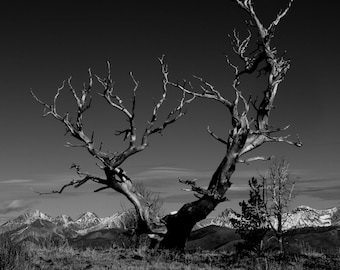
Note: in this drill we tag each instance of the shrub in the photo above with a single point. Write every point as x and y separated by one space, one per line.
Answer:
12 255
155 206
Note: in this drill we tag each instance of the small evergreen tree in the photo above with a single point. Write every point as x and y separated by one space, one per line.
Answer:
252 224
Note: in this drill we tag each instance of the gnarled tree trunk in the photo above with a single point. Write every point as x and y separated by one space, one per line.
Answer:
179 226
247 134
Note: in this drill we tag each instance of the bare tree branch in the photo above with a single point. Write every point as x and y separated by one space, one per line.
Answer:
208 91
284 139
76 184
102 188
114 100
216 137
85 177
200 190
279 188
279 17
248 160
115 177
173 116
75 129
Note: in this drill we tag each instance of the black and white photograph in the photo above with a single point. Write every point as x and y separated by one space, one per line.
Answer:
169 135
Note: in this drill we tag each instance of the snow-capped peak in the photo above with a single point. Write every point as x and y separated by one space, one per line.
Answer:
31 216
302 216
26 218
305 208
87 219
224 218
114 221
63 220
86 222
305 216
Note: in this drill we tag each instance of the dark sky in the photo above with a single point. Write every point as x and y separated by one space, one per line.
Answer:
43 43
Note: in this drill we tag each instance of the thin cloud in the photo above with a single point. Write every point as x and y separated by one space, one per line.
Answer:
61 177
248 174
15 206
311 176
322 192
175 173
180 198
238 196
168 172
167 176
16 181
238 188
160 177
235 188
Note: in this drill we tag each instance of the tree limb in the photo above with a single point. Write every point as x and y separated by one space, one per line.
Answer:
248 160
216 137
284 139
76 184
209 91
200 190
173 115
279 17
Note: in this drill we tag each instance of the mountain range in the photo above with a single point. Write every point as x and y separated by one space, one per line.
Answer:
88 227
36 224
300 217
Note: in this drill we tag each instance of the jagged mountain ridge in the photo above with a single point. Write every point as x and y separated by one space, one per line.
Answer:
300 217
64 224
87 220
63 220
37 225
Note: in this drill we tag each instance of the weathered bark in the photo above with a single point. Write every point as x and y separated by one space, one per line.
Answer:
125 187
180 225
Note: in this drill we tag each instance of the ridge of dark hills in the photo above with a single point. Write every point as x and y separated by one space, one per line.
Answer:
323 239
213 237
106 238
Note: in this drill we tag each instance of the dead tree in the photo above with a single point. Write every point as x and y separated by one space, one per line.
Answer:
111 163
246 133
279 187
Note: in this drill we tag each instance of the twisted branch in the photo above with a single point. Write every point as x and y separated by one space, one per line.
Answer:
200 191
77 183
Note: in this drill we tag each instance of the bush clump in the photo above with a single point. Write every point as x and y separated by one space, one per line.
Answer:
12 255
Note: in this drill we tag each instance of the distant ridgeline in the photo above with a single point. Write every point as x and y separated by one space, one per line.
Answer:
302 216
37 225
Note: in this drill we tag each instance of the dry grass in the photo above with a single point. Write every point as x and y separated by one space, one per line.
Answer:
308 250
29 257
117 258
12 255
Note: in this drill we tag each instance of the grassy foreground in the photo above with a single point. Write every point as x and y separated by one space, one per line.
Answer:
29 256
